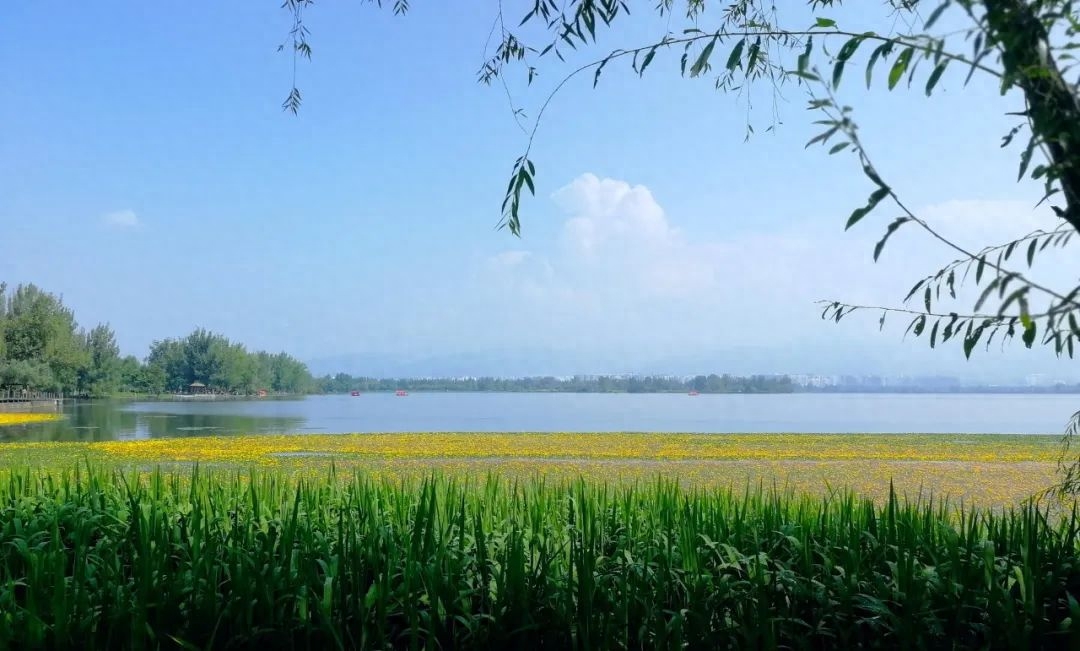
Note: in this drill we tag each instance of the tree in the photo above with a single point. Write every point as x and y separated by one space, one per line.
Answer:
128 370
101 377
39 328
169 362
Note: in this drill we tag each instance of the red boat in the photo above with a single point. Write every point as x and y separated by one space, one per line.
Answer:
354 393
693 393
401 392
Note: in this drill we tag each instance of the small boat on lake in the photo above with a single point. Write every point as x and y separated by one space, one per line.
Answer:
401 392
354 393
693 393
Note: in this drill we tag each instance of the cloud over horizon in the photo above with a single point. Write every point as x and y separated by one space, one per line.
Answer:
121 219
623 276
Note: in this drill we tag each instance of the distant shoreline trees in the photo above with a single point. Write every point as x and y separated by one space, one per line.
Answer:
343 383
42 348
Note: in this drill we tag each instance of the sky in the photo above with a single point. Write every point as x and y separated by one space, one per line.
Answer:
151 178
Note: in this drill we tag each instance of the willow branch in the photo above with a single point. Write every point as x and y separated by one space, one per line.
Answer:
849 130
668 42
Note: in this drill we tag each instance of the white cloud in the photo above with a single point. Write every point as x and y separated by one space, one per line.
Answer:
622 276
121 219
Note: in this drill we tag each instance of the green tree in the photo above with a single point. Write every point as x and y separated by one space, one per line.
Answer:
39 328
169 363
151 379
128 370
101 377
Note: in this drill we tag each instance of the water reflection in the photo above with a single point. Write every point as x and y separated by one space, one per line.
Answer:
564 412
110 421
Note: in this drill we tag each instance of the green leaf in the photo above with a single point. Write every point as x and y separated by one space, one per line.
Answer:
838 147
823 136
825 22
971 340
645 63
935 14
875 198
752 59
880 50
837 73
873 176
933 333
702 62
372 596
804 58
599 69
736 55
920 324
986 293
935 76
1029 333
1025 158
914 289
947 333
1031 252
849 48
926 299
897 223
899 67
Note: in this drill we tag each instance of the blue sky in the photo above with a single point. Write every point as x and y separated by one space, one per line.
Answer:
151 177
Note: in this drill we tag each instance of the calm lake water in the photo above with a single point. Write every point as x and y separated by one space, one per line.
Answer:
567 412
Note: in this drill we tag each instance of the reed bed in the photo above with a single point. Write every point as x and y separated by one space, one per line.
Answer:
96 557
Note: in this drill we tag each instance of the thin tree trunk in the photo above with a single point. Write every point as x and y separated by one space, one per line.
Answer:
1053 106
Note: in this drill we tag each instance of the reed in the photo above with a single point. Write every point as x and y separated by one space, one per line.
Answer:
96 558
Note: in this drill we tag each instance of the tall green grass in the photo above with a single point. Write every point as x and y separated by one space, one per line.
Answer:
101 559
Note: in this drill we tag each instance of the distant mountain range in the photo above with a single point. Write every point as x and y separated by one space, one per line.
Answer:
858 361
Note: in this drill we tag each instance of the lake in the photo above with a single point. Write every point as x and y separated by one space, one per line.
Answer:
562 412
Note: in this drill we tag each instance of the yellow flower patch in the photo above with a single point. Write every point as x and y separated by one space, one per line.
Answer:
988 470
22 418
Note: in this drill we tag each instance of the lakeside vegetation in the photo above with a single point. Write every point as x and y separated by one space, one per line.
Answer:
93 557
493 541
43 348
986 470
713 383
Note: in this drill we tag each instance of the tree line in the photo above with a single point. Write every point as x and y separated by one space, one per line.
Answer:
43 348
343 382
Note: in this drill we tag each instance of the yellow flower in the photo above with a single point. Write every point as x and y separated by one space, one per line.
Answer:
23 418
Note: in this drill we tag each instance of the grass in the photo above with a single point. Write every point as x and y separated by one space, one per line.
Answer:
984 470
93 558
496 541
